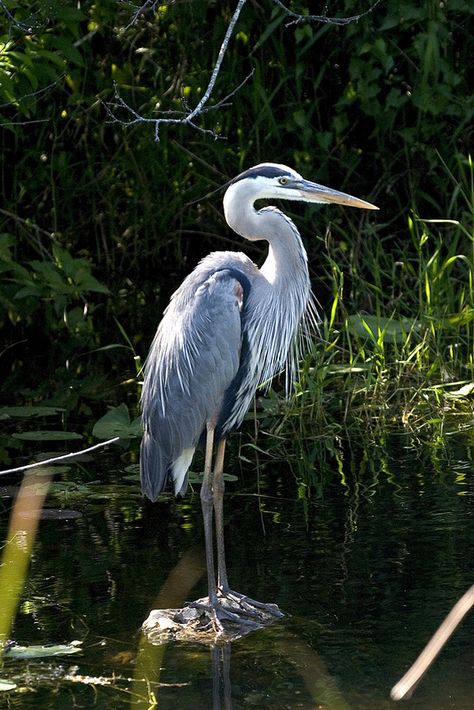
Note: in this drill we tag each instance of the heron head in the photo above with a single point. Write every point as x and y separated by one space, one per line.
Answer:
275 181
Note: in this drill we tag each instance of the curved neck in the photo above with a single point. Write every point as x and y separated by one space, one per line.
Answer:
286 259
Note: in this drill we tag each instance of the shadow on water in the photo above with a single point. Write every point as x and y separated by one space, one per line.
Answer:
365 571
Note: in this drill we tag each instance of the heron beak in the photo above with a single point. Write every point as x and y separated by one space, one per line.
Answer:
312 192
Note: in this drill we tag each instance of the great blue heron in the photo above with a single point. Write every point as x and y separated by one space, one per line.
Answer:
229 328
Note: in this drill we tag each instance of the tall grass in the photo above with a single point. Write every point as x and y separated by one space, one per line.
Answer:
396 348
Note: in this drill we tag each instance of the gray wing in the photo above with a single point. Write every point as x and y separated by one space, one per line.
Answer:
193 359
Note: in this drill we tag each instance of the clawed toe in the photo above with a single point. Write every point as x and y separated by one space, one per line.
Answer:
251 606
229 607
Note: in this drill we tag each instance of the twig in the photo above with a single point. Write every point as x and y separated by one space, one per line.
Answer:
147 5
12 345
28 27
323 18
185 118
60 458
220 58
405 686
188 116
34 94
31 226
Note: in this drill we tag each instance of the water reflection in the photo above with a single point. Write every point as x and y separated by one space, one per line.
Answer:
366 570
283 671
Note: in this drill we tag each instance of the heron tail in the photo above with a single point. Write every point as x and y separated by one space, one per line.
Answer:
154 467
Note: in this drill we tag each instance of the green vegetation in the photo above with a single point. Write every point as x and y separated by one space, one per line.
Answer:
99 223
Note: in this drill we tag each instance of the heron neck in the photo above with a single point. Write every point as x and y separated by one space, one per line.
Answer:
286 262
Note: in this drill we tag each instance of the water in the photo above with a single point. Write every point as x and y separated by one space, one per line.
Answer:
366 570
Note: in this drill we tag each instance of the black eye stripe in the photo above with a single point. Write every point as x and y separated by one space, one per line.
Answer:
263 171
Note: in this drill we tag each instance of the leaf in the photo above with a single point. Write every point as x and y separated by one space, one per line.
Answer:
90 283
51 56
465 391
45 435
6 685
7 90
390 330
67 49
36 291
64 260
116 422
27 652
26 411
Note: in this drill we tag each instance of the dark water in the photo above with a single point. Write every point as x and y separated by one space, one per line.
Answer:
366 570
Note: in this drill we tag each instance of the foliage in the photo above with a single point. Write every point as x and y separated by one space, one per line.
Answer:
117 422
99 223
48 289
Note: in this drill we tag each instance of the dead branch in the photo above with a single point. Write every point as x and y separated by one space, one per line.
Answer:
189 116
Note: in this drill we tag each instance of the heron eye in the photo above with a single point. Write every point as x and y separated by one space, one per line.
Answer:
282 181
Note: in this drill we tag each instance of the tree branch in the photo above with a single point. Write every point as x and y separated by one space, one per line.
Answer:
323 18
185 117
189 116
60 458
27 27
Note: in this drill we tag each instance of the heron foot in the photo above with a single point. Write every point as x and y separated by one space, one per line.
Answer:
250 606
228 608
224 616
220 612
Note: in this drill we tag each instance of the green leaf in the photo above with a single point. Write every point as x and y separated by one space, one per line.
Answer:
45 435
67 49
25 411
27 652
7 89
90 283
53 57
64 260
26 291
390 330
116 422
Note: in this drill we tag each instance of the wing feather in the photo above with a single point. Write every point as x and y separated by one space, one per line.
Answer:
193 360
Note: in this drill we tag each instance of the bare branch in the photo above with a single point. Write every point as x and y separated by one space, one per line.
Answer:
145 7
404 687
323 18
188 116
28 26
60 458
220 58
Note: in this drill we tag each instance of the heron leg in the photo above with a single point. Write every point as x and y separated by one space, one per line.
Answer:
218 487
223 603
207 514
250 606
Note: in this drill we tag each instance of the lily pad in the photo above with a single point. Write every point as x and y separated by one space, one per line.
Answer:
6 685
196 477
46 435
46 651
25 412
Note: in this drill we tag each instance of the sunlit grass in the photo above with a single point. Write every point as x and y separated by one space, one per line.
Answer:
396 345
